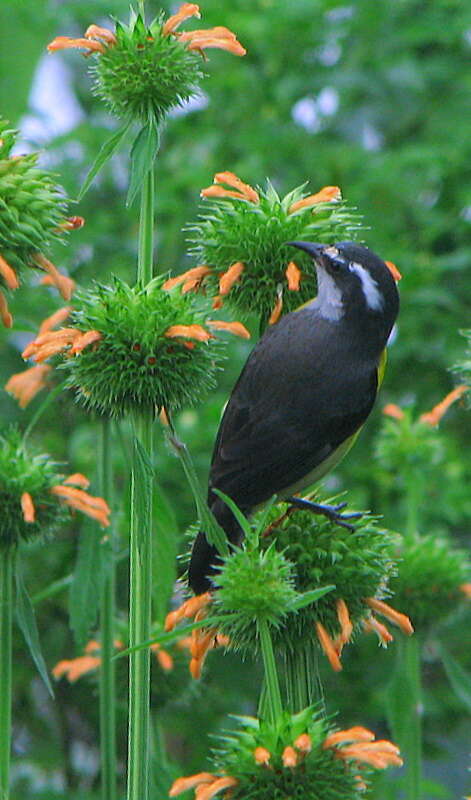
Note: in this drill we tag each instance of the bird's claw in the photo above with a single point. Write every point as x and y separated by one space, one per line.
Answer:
333 513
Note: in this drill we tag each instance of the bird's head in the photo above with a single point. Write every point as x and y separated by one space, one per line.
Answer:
353 284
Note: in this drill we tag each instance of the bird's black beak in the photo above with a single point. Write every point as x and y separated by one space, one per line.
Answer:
314 249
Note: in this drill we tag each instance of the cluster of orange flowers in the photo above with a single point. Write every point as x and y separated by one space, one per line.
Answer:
434 416
74 668
72 496
201 640
97 39
355 744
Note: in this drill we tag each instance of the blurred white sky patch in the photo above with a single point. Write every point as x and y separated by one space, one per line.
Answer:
309 111
54 108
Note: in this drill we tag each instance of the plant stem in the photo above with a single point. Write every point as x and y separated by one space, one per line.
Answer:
303 685
6 616
413 752
107 698
272 695
140 577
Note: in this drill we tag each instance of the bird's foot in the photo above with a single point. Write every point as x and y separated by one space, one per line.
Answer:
331 512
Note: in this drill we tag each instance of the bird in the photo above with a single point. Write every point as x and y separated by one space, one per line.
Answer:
303 395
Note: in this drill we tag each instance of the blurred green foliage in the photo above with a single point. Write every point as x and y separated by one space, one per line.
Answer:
373 97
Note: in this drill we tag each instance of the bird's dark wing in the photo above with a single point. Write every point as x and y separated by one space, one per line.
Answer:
291 408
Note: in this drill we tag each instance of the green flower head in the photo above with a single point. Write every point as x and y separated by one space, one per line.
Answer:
143 71
136 348
301 757
240 241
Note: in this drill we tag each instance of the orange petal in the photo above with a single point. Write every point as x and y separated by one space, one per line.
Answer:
325 195
185 11
25 385
94 507
230 277
8 274
434 416
379 754
64 284
303 743
293 276
77 479
355 734
71 224
66 43
27 507
185 784
393 270
344 620
218 303
165 659
289 757
57 318
207 792
196 273
5 315
85 340
188 331
220 191
261 755
328 647
466 589
233 327
392 410
277 309
96 32
213 37
390 613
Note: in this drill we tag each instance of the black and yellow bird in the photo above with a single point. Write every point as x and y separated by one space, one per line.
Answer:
303 395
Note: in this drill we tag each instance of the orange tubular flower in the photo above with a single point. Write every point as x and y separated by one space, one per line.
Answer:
466 589
165 659
262 756
233 327
24 386
207 792
373 625
8 274
85 339
219 37
72 224
325 195
230 277
379 754
77 479
239 189
345 623
277 309
94 507
328 647
187 610
355 734
293 276
50 343
303 743
434 416
185 11
5 315
74 668
394 616
67 43
188 332
392 410
27 507
57 318
191 782
289 757
64 284
393 270
103 34
191 276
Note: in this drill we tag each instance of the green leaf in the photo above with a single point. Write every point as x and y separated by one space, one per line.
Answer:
143 153
85 588
241 519
106 151
27 622
164 553
306 598
460 680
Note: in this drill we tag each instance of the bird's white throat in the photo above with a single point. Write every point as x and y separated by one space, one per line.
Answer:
328 302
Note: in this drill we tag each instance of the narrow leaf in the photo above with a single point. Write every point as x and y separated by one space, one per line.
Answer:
27 623
460 680
106 151
241 519
143 153
307 598
85 588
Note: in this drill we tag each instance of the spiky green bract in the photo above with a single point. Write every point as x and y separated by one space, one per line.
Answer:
429 576
32 206
134 365
359 564
253 586
146 73
24 471
318 775
407 444
231 230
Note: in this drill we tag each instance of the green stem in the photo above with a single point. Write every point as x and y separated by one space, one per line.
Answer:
6 617
140 577
107 698
413 734
303 684
272 694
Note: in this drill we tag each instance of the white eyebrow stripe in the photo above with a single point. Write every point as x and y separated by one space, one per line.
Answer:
373 296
